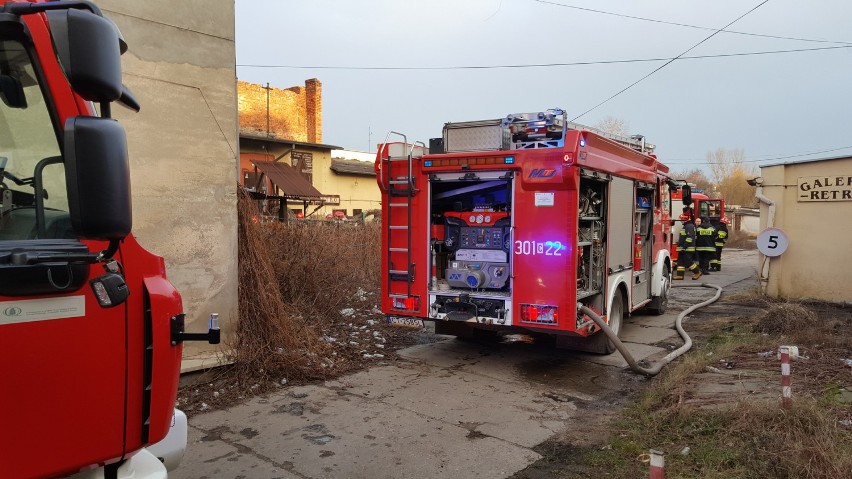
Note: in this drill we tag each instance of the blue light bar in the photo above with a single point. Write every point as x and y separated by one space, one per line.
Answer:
427 163
509 160
582 142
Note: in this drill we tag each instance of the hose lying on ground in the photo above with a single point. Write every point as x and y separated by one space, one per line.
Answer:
653 371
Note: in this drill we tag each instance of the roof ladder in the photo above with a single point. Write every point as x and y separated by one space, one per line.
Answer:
397 178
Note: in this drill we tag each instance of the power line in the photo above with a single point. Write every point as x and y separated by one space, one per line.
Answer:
546 65
685 161
668 62
698 27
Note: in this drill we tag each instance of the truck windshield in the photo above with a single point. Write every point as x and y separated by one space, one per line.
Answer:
29 154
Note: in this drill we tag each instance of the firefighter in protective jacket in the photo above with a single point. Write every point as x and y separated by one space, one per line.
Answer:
686 248
705 245
721 239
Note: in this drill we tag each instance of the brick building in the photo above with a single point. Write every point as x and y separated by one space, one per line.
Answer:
282 157
286 114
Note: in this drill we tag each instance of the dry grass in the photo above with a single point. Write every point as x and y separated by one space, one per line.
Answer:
739 239
748 436
294 279
785 318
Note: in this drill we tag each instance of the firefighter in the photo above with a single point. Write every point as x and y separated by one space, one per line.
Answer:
705 245
721 239
686 247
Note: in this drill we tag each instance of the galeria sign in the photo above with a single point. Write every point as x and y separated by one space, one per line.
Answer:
825 188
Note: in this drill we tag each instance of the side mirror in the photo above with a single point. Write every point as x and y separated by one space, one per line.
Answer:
686 195
12 92
97 175
89 50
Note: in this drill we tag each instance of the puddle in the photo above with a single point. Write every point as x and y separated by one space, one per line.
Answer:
572 374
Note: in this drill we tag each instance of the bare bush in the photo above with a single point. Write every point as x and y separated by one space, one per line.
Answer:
740 239
785 318
293 281
272 339
319 266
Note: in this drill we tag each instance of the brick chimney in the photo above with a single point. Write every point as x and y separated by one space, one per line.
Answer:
313 110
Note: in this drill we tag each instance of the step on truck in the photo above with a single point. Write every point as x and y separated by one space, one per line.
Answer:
91 330
511 224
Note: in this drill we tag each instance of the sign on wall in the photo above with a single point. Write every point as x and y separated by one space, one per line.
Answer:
772 242
304 163
825 188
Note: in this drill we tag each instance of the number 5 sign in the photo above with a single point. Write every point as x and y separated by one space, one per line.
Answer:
772 242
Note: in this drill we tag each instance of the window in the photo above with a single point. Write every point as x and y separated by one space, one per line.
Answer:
29 154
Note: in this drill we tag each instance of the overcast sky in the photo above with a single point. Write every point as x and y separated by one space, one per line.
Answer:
769 105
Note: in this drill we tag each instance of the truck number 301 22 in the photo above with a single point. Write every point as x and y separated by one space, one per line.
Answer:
543 248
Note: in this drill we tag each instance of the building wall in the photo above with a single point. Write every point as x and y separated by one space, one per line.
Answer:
356 191
293 113
254 150
815 263
183 147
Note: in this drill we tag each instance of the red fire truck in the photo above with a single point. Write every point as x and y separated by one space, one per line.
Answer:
701 204
90 328
512 223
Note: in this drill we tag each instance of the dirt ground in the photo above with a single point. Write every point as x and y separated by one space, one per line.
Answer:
749 373
360 339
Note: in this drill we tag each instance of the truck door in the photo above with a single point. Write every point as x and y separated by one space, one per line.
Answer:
62 356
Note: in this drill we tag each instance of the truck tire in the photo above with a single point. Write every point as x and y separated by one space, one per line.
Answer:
660 303
599 342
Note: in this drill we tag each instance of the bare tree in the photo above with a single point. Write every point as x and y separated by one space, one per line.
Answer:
695 177
722 162
730 174
614 126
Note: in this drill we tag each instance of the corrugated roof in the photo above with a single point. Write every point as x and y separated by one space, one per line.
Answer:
271 139
352 167
291 182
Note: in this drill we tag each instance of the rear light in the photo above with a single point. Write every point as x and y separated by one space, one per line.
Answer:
409 303
539 314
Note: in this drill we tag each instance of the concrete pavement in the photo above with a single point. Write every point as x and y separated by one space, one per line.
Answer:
450 409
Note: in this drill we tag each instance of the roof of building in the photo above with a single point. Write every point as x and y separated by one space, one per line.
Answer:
288 179
844 157
354 155
352 167
283 141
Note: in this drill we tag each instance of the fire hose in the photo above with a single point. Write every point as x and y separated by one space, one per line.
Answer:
634 365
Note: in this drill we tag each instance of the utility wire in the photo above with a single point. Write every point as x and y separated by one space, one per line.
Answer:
669 62
684 161
548 65
698 27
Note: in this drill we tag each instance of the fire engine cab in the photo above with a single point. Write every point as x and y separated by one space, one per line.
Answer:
513 223
91 331
700 206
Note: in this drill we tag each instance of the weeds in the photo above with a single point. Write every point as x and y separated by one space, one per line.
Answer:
293 281
739 239
751 437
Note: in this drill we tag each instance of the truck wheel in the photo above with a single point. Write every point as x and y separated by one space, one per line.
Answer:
660 303
599 343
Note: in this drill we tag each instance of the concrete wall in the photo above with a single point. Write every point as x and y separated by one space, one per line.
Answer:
816 263
745 220
183 146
